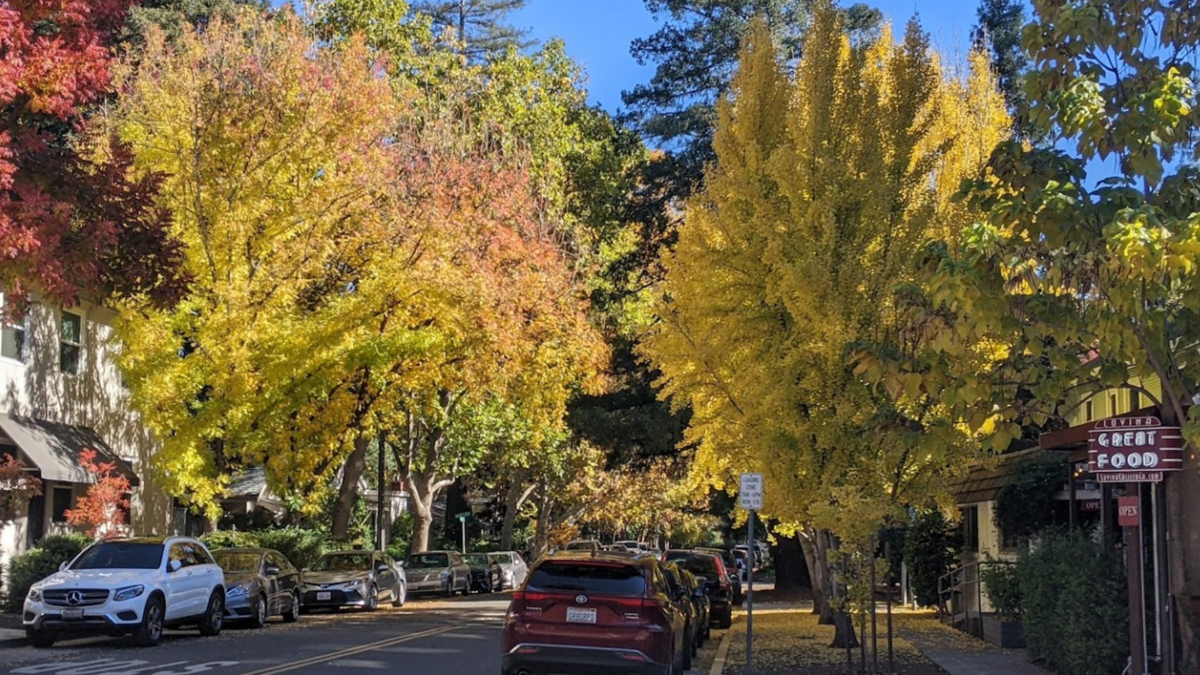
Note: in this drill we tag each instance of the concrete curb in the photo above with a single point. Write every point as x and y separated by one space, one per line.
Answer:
718 665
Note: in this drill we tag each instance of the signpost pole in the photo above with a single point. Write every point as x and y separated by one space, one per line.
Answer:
750 595
1135 575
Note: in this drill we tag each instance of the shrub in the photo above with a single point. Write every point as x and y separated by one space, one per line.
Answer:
1073 604
302 547
218 539
929 550
1003 588
38 563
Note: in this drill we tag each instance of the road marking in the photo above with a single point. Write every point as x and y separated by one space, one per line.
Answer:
114 667
325 658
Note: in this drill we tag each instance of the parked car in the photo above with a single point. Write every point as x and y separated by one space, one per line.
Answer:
682 599
259 583
513 567
438 572
353 579
700 599
731 566
586 612
486 574
634 545
129 587
716 581
582 545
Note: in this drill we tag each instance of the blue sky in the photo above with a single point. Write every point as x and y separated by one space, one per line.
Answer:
598 33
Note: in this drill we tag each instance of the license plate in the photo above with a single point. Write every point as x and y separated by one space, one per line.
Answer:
324 595
72 614
581 615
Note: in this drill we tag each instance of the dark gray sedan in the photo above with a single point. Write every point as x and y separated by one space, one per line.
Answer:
259 583
353 579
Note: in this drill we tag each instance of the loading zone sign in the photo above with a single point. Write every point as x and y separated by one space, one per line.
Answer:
1133 450
750 496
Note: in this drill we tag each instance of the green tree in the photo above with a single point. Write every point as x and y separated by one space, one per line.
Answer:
477 28
176 17
999 32
1083 275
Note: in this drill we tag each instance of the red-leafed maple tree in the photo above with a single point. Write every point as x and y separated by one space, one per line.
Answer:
72 220
102 510
16 487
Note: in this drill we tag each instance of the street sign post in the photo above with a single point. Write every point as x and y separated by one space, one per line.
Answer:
462 518
750 498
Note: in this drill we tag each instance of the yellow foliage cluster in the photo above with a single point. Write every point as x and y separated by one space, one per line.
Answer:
826 184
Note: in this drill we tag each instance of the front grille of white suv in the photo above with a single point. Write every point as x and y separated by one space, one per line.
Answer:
76 597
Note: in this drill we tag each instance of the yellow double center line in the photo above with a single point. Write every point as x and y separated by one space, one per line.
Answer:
351 651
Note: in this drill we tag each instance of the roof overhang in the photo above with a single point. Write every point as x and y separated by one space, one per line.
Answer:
54 448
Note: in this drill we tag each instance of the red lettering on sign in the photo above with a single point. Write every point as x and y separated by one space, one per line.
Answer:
1129 511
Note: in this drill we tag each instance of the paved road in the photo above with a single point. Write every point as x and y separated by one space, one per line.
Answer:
431 637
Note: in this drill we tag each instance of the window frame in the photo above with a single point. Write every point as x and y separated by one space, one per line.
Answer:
54 511
970 528
1089 411
63 344
7 328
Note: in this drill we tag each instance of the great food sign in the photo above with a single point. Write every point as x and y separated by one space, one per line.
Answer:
1133 450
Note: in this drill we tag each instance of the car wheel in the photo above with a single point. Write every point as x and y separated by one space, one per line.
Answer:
726 619
40 639
293 612
400 595
150 630
372 598
688 650
214 616
451 587
260 613
466 589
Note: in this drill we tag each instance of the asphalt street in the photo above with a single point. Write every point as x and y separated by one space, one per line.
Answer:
431 637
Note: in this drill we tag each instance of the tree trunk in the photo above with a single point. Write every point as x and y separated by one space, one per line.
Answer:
791 569
422 523
352 471
1182 503
816 547
541 539
844 636
514 497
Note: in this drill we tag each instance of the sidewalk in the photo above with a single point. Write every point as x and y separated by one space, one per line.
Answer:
11 638
966 658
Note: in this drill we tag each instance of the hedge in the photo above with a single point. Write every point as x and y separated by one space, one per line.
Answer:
1073 604
38 563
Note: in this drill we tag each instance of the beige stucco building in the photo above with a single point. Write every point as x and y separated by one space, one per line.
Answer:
60 392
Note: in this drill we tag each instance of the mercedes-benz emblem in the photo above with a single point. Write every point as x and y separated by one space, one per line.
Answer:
581 599
74 598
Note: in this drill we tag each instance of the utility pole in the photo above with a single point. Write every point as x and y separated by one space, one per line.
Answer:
380 542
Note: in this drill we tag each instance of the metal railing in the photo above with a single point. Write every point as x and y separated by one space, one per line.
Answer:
956 591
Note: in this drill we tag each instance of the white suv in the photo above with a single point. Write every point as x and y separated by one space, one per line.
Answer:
129 586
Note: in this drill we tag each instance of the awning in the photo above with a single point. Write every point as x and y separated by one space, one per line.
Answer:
54 448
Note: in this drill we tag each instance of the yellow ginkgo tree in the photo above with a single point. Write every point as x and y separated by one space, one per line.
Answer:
826 183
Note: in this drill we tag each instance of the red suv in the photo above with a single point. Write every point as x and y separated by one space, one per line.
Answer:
594 612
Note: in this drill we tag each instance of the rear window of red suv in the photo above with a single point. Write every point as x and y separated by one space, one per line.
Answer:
583 577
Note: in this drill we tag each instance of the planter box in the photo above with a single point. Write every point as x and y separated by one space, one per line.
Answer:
1005 634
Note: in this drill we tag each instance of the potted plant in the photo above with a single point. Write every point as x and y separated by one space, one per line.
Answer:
1003 627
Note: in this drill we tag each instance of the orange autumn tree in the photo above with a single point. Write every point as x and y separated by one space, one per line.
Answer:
102 510
365 263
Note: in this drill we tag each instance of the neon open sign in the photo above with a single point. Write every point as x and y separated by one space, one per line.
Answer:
1133 449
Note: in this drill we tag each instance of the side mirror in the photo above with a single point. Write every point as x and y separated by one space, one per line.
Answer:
700 581
383 567
175 565
304 571
271 571
63 565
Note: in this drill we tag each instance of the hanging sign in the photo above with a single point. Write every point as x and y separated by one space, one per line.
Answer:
1129 511
1133 450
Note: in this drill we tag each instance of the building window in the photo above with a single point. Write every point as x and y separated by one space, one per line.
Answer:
13 342
64 499
1112 405
1135 400
70 342
970 528
1089 412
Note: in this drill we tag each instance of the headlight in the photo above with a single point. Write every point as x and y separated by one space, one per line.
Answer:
445 574
238 591
35 595
128 593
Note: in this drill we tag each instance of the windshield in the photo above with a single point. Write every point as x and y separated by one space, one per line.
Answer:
237 563
343 562
120 555
581 546
701 565
597 578
428 560
502 558
476 560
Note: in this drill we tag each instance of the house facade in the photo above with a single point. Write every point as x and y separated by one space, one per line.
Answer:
60 393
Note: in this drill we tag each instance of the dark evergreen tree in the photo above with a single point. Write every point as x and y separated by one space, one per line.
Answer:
479 26
999 32
174 16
